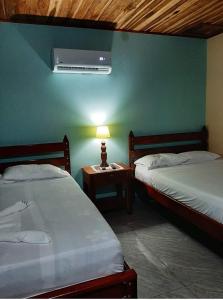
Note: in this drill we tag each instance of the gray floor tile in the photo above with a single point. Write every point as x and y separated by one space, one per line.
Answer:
206 292
152 273
168 261
182 293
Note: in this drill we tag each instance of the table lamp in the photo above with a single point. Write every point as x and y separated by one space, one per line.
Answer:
103 133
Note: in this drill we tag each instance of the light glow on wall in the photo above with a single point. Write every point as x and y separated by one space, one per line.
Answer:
98 118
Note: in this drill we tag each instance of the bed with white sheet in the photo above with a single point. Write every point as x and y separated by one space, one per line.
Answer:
185 178
196 185
82 245
53 240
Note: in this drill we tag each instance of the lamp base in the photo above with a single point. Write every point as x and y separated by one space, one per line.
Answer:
104 163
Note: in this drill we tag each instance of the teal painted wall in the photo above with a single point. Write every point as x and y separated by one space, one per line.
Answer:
157 85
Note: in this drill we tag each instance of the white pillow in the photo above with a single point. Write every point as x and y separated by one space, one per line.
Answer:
193 157
32 172
160 160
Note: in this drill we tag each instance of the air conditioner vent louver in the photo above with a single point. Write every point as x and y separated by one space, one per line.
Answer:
82 61
81 68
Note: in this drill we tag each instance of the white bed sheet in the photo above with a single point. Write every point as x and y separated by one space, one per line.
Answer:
83 245
199 186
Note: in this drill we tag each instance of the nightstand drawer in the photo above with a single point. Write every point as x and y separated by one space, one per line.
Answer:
110 178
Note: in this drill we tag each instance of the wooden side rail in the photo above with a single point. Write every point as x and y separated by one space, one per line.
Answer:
119 285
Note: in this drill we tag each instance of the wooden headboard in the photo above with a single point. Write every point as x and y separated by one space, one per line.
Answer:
18 154
192 141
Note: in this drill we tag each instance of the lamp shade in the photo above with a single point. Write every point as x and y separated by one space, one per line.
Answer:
102 132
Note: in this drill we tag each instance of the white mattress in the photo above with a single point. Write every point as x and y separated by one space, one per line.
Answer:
83 245
199 186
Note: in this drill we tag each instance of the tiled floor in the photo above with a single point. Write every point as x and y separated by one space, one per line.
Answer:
170 262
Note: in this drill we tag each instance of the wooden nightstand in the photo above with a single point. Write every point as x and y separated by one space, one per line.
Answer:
121 178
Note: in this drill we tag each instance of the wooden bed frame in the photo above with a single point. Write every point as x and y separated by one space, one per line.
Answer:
21 152
191 141
119 285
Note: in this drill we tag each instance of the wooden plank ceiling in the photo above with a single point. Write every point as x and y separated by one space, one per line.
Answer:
201 18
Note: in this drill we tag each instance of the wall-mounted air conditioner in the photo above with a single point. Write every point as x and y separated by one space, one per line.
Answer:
81 61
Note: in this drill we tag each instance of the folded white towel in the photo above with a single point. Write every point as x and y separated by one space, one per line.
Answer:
31 237
17 207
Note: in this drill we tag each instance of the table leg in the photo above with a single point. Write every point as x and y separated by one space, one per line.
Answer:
129 198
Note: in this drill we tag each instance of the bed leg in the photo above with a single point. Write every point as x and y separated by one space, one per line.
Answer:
130 289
